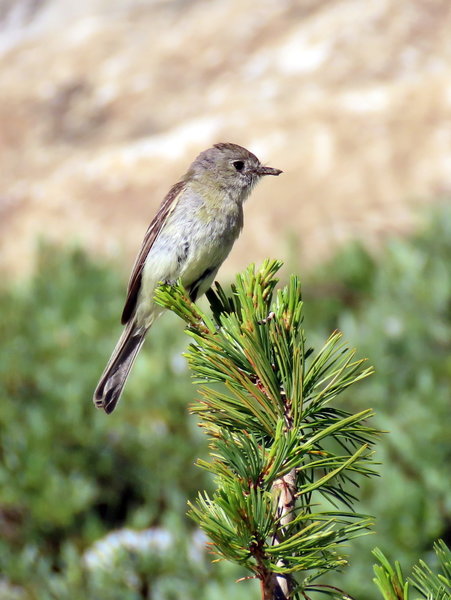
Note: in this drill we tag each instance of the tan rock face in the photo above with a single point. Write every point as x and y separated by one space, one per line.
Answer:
104 104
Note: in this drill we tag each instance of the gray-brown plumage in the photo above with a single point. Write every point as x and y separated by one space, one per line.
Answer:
189 238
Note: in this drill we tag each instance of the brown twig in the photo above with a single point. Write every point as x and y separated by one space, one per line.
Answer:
280 586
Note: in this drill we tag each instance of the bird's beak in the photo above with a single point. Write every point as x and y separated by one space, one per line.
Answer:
261 170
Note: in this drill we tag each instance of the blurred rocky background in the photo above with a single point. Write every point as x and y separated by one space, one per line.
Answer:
103 104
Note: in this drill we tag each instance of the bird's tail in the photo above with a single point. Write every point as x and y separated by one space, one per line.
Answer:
115 375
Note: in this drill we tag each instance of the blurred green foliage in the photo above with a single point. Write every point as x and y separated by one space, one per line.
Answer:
397 311
68 473
72 479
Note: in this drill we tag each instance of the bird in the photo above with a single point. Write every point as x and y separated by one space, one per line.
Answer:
188 240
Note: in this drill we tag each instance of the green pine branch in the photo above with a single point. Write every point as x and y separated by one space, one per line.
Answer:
429 584
284 457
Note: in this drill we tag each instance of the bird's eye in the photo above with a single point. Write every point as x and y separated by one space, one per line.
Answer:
238 164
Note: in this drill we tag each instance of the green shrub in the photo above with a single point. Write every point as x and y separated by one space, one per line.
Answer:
69 475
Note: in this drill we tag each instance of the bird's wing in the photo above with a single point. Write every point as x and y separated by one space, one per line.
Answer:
134 284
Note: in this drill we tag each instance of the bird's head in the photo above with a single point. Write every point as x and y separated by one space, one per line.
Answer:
230 168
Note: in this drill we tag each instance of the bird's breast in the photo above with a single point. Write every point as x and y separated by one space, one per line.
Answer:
210 227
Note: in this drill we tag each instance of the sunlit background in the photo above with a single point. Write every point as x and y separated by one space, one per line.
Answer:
103 105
